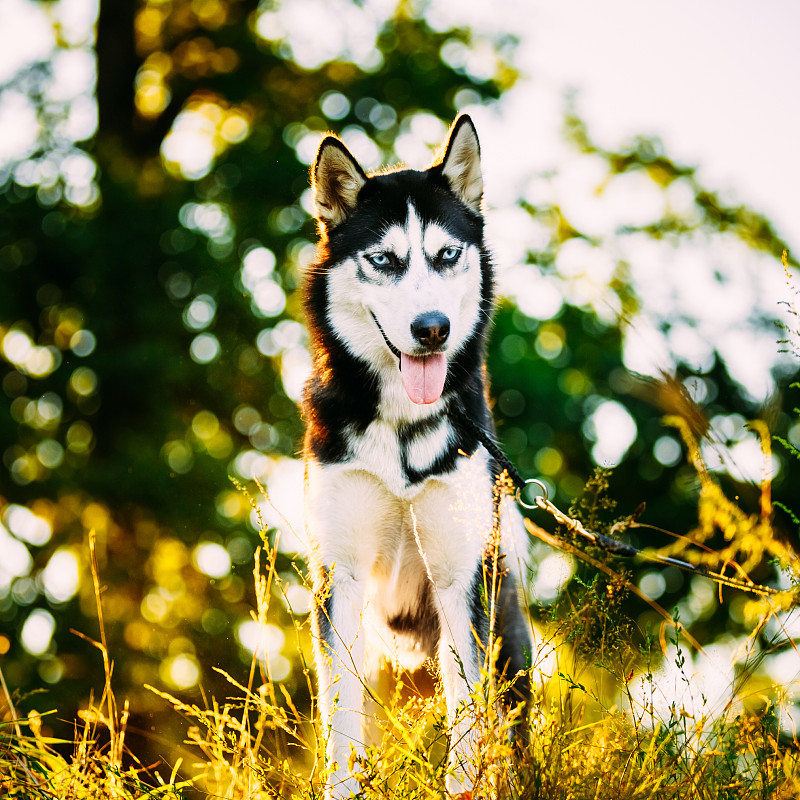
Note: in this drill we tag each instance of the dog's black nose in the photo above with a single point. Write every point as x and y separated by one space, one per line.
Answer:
431 329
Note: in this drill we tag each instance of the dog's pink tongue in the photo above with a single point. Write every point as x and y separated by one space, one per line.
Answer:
423 377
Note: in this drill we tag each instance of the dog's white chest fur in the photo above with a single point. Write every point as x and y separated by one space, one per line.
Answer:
401 443
382 452
400 544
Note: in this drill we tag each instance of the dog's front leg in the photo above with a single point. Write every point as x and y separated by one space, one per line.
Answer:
452 535
346 513
460 669
340 668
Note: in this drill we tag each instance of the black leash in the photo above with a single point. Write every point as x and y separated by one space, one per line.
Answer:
606 543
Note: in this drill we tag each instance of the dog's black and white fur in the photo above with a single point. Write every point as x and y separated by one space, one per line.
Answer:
400 502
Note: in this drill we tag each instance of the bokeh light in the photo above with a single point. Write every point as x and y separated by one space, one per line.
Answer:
212 559
341 31
205 348
552 573
37 631
180 671
27 526
202 131
200 312
16 561
82 343
61 577
264 642
613 430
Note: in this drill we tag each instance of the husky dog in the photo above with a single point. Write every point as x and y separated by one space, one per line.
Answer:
401 507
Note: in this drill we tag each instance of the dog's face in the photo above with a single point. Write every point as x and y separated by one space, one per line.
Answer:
405 280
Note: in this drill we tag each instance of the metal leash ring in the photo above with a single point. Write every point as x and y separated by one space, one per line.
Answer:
540 485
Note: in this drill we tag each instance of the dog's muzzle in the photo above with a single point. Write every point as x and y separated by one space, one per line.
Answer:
423 376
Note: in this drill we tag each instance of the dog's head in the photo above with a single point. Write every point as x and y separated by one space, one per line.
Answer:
408 280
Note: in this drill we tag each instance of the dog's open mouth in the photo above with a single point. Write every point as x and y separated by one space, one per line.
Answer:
423 376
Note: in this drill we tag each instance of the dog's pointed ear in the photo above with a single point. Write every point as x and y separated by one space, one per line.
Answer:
337 180
461 164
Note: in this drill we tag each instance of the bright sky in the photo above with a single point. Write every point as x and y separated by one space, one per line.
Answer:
717 80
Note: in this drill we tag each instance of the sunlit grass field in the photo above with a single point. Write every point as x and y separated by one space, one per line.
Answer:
616 712
578 746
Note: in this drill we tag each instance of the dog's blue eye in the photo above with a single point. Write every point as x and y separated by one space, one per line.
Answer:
379 260
449 255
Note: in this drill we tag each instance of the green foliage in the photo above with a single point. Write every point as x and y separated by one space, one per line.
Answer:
792 343
595 500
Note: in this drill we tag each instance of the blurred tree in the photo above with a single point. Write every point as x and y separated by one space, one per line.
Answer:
566 393
152 345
